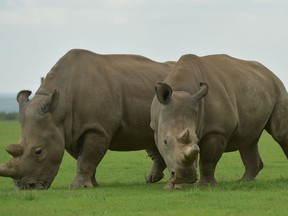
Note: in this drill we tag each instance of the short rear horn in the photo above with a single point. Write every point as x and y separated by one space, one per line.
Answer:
15 150
184 137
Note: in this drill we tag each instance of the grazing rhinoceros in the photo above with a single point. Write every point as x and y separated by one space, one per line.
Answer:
87 104
243 99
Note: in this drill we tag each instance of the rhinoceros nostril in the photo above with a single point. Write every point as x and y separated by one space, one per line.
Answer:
172 175
30 186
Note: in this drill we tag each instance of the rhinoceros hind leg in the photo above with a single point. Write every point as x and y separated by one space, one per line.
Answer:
212 147
156 173
252 161
277 125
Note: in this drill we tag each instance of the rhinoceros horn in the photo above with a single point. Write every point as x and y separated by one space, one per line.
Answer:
184 137
191 152
15 150
202 92
8 170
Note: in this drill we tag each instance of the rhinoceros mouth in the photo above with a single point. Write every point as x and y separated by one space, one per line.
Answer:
182 176
43 182
39 185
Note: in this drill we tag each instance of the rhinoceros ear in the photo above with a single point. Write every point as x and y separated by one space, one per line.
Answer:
50 102
23 97
202 92
163 93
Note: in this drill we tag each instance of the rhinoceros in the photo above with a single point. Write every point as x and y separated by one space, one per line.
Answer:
214 104
88 103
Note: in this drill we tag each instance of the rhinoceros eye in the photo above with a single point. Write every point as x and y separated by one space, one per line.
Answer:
165 142
38 151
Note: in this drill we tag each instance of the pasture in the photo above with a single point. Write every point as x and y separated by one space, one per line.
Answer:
123 190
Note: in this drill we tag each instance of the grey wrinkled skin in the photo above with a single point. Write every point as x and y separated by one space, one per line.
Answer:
225 103
88 103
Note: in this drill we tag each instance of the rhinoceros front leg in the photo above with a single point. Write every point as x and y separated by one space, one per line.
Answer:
93 150
252 161
156 173
212 147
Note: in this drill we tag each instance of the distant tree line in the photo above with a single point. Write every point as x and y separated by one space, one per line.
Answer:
8 116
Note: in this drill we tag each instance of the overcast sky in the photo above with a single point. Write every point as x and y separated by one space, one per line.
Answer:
34 34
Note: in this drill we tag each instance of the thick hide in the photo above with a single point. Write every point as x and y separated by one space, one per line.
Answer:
88 103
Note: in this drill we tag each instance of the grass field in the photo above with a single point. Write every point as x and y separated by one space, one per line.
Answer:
123 190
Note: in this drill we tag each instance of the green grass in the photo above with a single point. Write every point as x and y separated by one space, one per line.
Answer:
123 190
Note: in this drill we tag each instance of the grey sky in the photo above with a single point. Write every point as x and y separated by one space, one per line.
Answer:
36 33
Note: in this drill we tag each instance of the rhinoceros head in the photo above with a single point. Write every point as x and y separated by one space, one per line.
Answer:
174 116
37 157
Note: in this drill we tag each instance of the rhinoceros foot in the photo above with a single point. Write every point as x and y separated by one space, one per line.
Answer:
159 165
151 178
245 178
206 181
154 177
81 182
169 186
76 185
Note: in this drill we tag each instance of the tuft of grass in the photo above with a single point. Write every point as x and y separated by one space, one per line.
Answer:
123 190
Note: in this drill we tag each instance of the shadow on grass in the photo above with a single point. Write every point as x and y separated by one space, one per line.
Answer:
223 185
256 185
